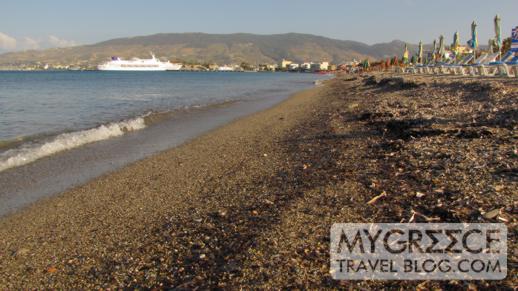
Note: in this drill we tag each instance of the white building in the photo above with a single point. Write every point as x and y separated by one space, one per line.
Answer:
293 67
284 64
226 69
305 66
323 66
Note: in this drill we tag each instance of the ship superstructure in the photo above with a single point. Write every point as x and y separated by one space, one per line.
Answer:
136 64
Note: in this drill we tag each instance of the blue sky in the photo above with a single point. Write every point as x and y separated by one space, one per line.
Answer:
49 23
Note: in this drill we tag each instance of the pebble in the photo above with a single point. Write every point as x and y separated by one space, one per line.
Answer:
492 214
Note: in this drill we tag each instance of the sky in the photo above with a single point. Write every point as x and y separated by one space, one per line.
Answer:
38 24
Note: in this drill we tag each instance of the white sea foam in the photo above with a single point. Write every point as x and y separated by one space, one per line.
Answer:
29 153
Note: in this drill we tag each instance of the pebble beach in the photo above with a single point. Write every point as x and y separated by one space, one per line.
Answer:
250 204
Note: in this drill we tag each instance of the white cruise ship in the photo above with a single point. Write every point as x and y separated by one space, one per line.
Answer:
136 64
225 69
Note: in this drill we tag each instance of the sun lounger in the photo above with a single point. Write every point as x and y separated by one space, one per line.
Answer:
513 64
465 60
491 58
445 67
500 69
503 70
484 65
489 66
513 61
458 68
478 66
504 59
430 68
471 67
426 69
480 59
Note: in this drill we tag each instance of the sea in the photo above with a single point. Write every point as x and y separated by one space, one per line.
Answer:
60 129
42 113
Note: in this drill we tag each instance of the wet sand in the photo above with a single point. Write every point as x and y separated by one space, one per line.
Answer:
250 204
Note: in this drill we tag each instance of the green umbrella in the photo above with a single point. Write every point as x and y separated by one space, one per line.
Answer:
474 36
420 53
498 31
366 64
434 52
456 41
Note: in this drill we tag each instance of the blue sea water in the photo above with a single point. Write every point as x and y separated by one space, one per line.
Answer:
44 113
61 129
34 103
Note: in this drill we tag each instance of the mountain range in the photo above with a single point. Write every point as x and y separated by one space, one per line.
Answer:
213 48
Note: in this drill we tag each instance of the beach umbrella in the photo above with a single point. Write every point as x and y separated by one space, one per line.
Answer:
434 52
405 54
456 44
420 53
456 41
366 64
441 46
395 61
473 43
498 31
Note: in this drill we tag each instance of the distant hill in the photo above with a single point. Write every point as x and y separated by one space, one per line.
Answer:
213 48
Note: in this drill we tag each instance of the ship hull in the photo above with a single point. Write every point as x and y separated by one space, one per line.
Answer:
139 69
139 65
131 69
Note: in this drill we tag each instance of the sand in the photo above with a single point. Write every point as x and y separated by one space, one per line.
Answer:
250 204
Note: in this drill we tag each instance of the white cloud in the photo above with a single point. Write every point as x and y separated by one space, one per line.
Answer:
7 42
28 43
55 41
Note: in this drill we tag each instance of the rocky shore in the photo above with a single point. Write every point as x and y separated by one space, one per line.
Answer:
250 205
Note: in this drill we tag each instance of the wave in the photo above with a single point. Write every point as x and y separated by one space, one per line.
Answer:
65 141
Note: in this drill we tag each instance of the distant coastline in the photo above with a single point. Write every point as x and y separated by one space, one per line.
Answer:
199 49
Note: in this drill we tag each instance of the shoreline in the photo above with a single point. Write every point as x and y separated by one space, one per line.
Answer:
250 204
149 118
130 207
108 104
75 166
